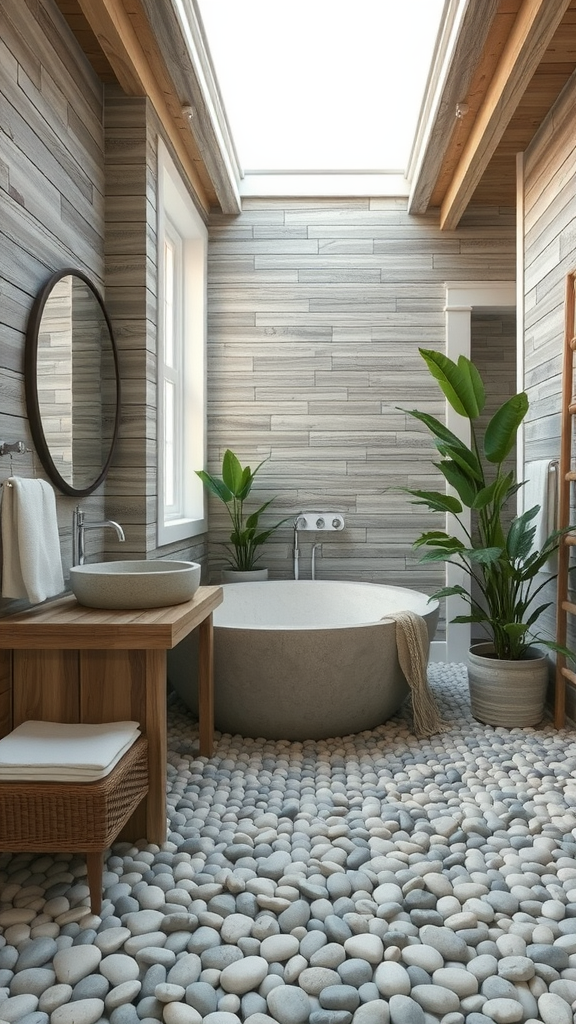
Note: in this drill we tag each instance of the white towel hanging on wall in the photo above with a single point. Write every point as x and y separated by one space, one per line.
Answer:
541 482
31 560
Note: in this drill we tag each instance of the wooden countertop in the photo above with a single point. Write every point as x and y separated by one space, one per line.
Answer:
64 624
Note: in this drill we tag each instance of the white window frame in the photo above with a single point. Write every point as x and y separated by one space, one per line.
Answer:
177 216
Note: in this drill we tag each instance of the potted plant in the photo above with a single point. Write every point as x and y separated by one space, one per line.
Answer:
247 536
496 554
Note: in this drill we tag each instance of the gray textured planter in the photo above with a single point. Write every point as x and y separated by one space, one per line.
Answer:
244 575
508 693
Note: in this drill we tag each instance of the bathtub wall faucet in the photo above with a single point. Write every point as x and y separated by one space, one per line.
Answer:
314 521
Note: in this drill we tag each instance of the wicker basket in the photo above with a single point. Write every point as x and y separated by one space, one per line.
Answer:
75 817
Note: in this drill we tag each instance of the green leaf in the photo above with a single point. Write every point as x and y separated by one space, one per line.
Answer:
435 427
446 548
515 630
430 537
501 431
215 486
484 556
465 458
521 535
232 473
455 591
485 496
459 480
437 502
537 613
460 382
559 648
439 540
441 555
245 484
252 520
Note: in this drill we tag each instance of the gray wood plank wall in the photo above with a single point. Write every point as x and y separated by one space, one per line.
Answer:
51 198
77 188
316 312
550 254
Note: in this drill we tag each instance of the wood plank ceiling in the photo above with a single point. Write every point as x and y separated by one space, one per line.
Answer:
527 59
528 56
115 36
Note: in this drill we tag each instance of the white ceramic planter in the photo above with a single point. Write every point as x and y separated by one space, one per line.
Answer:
248 576
507 693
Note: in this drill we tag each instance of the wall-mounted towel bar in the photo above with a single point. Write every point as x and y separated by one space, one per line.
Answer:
12 448
554 493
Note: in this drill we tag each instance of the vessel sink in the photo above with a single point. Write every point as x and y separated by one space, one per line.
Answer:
134 584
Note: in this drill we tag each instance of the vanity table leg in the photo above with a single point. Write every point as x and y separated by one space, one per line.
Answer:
206 686
116 686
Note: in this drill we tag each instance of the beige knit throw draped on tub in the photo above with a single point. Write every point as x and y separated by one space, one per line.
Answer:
413 645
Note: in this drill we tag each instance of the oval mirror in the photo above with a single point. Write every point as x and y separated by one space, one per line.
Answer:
72 383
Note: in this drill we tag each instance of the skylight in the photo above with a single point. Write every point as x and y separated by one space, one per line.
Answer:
322 86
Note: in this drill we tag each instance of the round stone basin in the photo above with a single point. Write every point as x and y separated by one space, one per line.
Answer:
134 584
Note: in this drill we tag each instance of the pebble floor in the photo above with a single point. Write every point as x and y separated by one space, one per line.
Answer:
374 879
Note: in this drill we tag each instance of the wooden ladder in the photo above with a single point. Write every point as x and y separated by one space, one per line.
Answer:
567 474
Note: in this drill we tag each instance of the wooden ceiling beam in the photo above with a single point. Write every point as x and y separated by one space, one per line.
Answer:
117 36
532 32
438 131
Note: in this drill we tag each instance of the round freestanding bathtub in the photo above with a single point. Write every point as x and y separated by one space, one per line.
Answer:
303 660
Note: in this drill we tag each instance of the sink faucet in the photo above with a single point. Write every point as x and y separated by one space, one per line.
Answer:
78 528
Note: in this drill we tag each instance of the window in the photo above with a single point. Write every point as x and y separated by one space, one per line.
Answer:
325 95
182 246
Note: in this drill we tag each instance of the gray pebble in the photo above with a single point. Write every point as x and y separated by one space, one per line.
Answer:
435 999
32 981
404 1010
446 942
554 1010
289 1005
504 1011
124 1014
375 1011
330 1017
94 986
497 988
554 956
85 1011
15 1007
355 972
339 997
202 997
252 1003
220 957
36 954
179 921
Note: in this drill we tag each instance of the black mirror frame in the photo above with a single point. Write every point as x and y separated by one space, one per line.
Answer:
31 389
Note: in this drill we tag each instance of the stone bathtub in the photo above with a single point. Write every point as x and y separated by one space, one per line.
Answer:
303 660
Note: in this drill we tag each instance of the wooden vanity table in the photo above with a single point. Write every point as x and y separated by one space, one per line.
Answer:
62 662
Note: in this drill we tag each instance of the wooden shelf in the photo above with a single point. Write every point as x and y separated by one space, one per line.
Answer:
66 663
64 624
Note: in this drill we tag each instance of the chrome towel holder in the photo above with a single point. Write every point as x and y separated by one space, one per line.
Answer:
12 448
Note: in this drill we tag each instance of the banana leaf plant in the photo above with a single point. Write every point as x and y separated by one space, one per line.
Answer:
233 488
500 555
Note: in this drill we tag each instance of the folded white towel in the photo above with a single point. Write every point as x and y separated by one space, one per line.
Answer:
65 773
31 560
60 751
